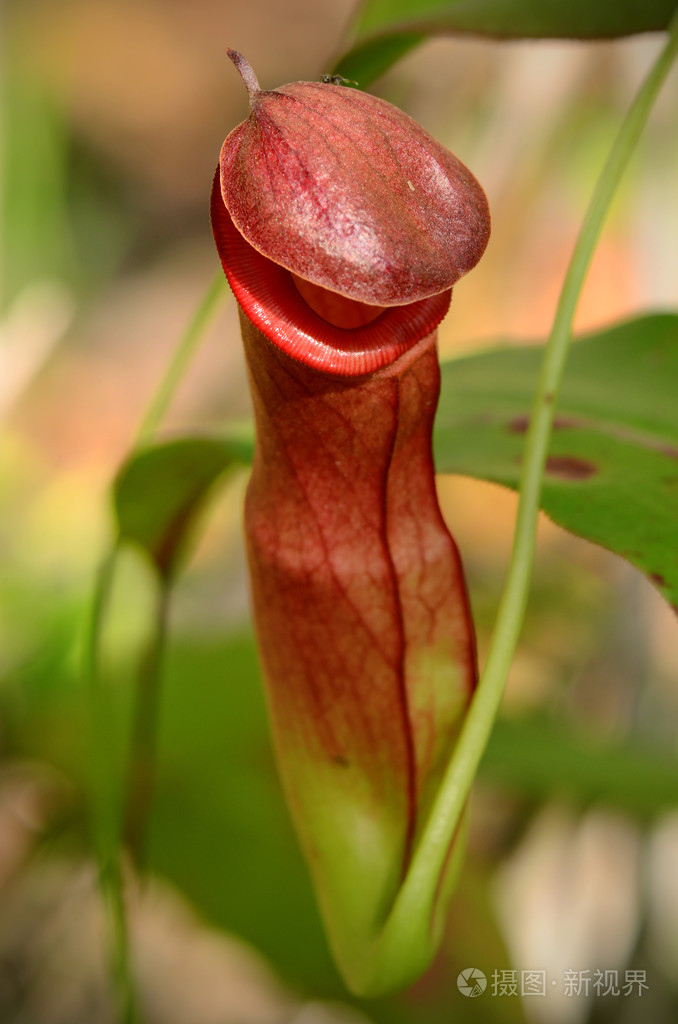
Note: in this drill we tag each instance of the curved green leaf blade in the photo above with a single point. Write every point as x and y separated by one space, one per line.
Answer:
612 473
159 491
368 60
386 29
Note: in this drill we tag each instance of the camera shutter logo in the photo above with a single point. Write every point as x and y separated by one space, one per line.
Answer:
471 982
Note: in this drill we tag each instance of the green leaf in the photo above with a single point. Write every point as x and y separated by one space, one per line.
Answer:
386 29
159 491
539 758
612 472
368 60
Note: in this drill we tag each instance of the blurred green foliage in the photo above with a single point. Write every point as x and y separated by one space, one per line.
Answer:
384 30
59 204
219 830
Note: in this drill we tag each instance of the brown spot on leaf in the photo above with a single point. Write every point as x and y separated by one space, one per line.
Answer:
657 579
669 450
519 424
568 467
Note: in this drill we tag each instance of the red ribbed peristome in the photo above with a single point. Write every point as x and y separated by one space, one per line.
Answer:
269 298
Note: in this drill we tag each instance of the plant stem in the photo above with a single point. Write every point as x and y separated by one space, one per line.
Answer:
101 752
105 798
142 760
184 352
106 790
416 900
112 889
141 771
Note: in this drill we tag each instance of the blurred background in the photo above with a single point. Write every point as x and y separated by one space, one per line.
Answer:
114 112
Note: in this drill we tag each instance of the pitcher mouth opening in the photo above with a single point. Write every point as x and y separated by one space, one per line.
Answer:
317 327
337 310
